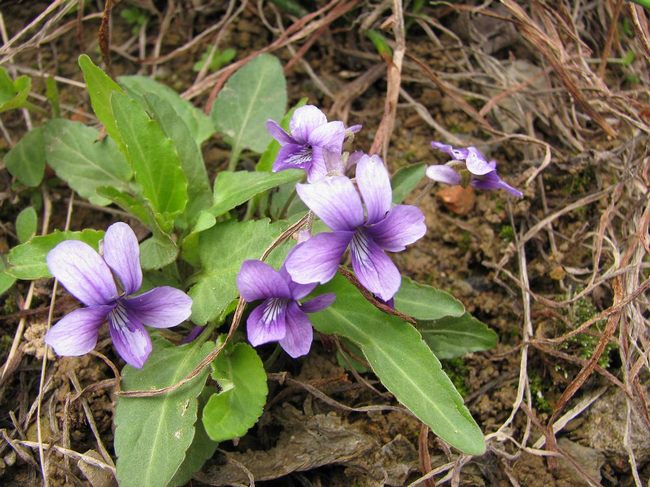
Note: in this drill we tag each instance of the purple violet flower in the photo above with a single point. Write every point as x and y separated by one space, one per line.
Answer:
336 201
280 317
311 137
87 276
482 174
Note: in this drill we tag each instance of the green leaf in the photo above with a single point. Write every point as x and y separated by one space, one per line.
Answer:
265 164
73 151
231 412
157 251
153 433
254 94
133 205
452 337
222 249
231 189
13 93
27 261
26 160
101 88
197 122
153 157
198 184
6 280
26 223
404 364
200 450
405 180
52 95
426 303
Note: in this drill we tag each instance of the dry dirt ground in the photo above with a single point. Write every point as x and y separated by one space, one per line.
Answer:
556 92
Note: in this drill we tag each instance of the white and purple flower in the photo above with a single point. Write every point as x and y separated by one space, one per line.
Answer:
88 277
382 228
280 317
482 174
311 137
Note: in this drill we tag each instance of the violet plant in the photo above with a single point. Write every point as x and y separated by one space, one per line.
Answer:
209 251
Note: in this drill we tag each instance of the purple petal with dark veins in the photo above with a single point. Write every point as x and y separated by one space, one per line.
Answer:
443 174
373 267
317 259
130 339
267 322
293 156
83 272
319 303
162 307
304 121
278 133
122 254
335 201
299 334
374 185
403 225
257 280
76 333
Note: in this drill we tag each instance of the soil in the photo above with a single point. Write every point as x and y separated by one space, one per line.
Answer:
523 292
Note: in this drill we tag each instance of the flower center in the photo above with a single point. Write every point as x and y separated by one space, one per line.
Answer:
301 157
274 306
120 318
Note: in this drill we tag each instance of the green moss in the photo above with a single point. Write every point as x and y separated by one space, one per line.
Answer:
537 391
507 233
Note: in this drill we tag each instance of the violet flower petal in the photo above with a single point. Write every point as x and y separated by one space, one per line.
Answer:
493 181
122 254
374 185
82 272
456 154
76 333
403 225
353 129
476 162
318 168
335 201
257 280
130 339
293 156
373 267
329 136
298 291
304 121
299 333
278 133
267 322
319 303
443 174
162 307
317 259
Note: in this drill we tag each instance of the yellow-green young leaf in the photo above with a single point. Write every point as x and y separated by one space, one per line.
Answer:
453 336
153 434
255 93
153 157
101 87
222 249
231 189
135 205
85 163
13 93
27 261
232 411
198 123
423 302
157 252
26 160
405 180
26 223
403 362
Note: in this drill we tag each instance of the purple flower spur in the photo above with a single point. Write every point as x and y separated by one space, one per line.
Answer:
87 276
280 317
382 228
482 174
311 137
